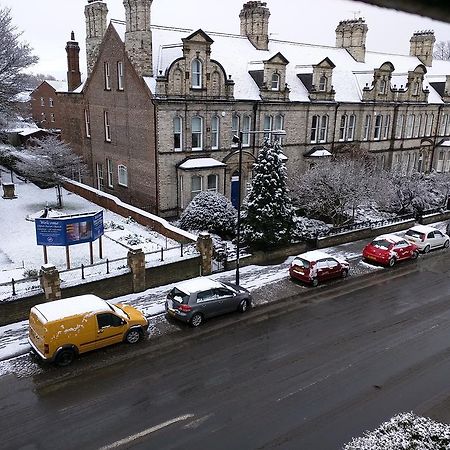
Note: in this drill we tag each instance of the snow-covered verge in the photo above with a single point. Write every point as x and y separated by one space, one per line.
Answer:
403 432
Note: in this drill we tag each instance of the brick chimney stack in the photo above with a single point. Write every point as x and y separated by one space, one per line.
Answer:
138 35
255 23
73 63
96 13
351 35
422 44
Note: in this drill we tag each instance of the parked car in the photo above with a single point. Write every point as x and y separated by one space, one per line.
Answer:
316 266
426 238
194 301
60 330
387 249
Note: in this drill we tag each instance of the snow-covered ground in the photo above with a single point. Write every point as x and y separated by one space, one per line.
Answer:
20 253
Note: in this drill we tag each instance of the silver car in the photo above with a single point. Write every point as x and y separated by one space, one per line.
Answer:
427 238
193 301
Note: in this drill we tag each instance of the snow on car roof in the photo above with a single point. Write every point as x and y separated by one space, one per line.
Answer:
197 285
314 255
389 237
60 309
422 228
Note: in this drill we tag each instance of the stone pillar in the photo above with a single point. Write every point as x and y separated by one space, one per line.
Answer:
8 190
205 247
136 263
50 282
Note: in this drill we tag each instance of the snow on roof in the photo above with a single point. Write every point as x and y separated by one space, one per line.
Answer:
314 255
23 97
444 144
390 238
201 163
197 285
422 228
318 152
30 131
58 86
60 309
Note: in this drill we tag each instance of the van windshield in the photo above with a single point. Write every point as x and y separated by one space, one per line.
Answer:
118 311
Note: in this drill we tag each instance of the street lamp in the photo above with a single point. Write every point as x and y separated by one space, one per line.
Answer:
238 140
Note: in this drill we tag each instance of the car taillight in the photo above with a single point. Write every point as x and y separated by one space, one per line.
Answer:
185 308
46 349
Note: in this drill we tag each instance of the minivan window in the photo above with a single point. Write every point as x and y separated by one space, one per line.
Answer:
178 296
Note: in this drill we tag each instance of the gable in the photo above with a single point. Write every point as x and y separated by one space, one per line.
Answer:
326 63
198 36
278 59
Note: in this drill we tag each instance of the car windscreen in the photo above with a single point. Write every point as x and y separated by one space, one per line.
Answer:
415 234
178 296
300 262
382 243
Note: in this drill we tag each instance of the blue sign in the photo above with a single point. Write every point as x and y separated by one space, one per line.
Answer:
69 230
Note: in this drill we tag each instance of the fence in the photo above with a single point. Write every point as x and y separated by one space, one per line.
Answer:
21 286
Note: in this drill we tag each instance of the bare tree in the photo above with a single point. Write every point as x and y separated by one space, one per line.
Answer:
15 56
48 162
442 50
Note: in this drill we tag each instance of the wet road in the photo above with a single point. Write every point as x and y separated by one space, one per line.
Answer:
310 378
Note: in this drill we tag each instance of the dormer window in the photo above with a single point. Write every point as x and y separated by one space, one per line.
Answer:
416 89
382 87
275 86
196 73
323 83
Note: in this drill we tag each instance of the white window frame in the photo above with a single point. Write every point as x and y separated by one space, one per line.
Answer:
367 126
315 120
351 127
322 83
323 129
278 124
42 101
416 88
197 132
386 126
275 82
178 120
418 125
382 87
120 77
268 123
215 130
399 129
196 71
440 161
52 117
377 128
100 176
87 123
107 75
430 120
246 128
122 175
50 102
343 127
109 173
107 126
196 191
43 117
235 127
410 125
211 177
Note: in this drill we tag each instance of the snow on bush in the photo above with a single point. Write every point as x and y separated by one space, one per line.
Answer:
309 228
404 432
210 211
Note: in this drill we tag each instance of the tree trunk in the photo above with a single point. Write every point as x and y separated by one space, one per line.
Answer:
59 196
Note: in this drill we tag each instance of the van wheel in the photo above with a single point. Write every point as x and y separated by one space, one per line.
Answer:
426 249
243 306
65 357
315 282
196 320
133 336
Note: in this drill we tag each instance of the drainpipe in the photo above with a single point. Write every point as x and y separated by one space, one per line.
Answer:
435 137
335 123
255 115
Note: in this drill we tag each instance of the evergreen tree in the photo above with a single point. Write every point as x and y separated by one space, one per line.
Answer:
269 217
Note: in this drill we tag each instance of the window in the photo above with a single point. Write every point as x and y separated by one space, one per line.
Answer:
412 163
212 183
377 127
347 128
386 125
120 75
400 123
367 122
323 131
109 168
275 86
196 73
215 129
43 118
416 88
196 185
107 127
429 128
122 173
343 127
278 125
107 76
246 127
52 117
440 162
42 101
418 125
181 192
197 133
50 102
322 83
351 127
234 128
410 126
106 320
382 87
319 128
87 123
177 133
443 125
100 179
267 127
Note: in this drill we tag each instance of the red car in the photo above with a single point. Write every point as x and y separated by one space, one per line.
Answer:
312 267
388 249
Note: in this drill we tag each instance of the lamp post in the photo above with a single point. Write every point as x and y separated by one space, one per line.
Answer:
238 140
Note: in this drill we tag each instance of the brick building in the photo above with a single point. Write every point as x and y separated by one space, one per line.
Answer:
157 113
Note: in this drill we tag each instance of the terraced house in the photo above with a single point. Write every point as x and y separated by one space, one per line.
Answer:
156 116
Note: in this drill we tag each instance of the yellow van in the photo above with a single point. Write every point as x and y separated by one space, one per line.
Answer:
60 330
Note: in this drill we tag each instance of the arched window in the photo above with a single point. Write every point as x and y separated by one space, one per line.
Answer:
277 126
322 83
197 133
196 73
382 87
122 172
275 82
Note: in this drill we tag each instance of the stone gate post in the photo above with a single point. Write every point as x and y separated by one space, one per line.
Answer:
205 247
136 263
50 282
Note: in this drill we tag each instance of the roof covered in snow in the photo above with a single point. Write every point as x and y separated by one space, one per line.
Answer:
314 255
201 163
197 285
58 86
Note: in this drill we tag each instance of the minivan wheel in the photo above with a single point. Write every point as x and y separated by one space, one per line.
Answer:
196 320
133 336
426 249
315 282
243 306
446 243
65 357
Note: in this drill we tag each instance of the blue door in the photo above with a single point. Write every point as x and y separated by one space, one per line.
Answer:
235 189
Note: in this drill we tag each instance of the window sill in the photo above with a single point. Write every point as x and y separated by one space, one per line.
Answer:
122 185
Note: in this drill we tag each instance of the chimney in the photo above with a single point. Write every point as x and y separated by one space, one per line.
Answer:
95 12
351 35
73 64
422 43
255 23
138 35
